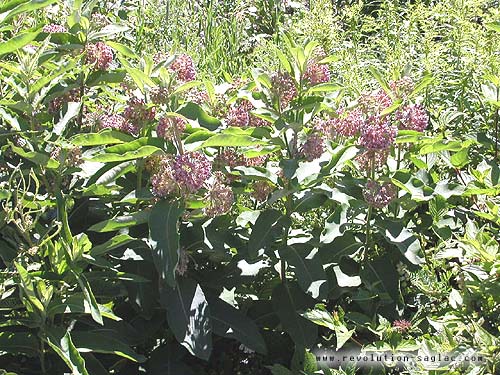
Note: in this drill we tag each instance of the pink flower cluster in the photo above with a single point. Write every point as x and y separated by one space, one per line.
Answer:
167 127
183 66
348 124
186 173
99 55
377 134
313 147
283 87
379 195
219 199
137 112
316 73
374 103
117 122
240 115
54 28
402 325
191 171
197 96
412 117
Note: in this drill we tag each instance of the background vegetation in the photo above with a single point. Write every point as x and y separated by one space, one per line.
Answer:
183 189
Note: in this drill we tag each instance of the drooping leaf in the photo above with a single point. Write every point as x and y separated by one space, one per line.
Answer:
263 232
17 42
120 222
65 348
307 268
164 238
188 316
228 321
406 242
194 112
302 331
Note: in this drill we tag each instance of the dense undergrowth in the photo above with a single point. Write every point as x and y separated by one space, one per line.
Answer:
229 187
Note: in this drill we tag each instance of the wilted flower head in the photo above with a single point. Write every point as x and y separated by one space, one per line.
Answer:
159 57
191 170
167 127
316 73
313 147
183 65
377 134
372 158
72 95
284 88
229 158
219 198
318 53
159 95
402 87
183 263
54 28
379 195
255 161
74 157
99 55
137 112
261 190
412 117
402 325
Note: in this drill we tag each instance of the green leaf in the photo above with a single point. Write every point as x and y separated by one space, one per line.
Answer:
22 7
230 322
231 140
107 31
335 322
72 112
194 112
307 268
494 26
325 87
102 343
111 244
378 76
263 232
130 155
136 218
19 343
188 316
65 348
441 145
164 238
279 370
382 276
285 304
105 137
123 49
90 301
396 234
461 158
17 42
36 157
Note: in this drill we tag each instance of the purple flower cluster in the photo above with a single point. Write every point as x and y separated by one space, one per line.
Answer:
137 112
283 87
240 115
412 117
316 73
117 122
348 124
191 171
159 95
313 147
219 199
54 28
379 195
374 103
197 96
99 55
377 134
162 181
167 127
183 66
